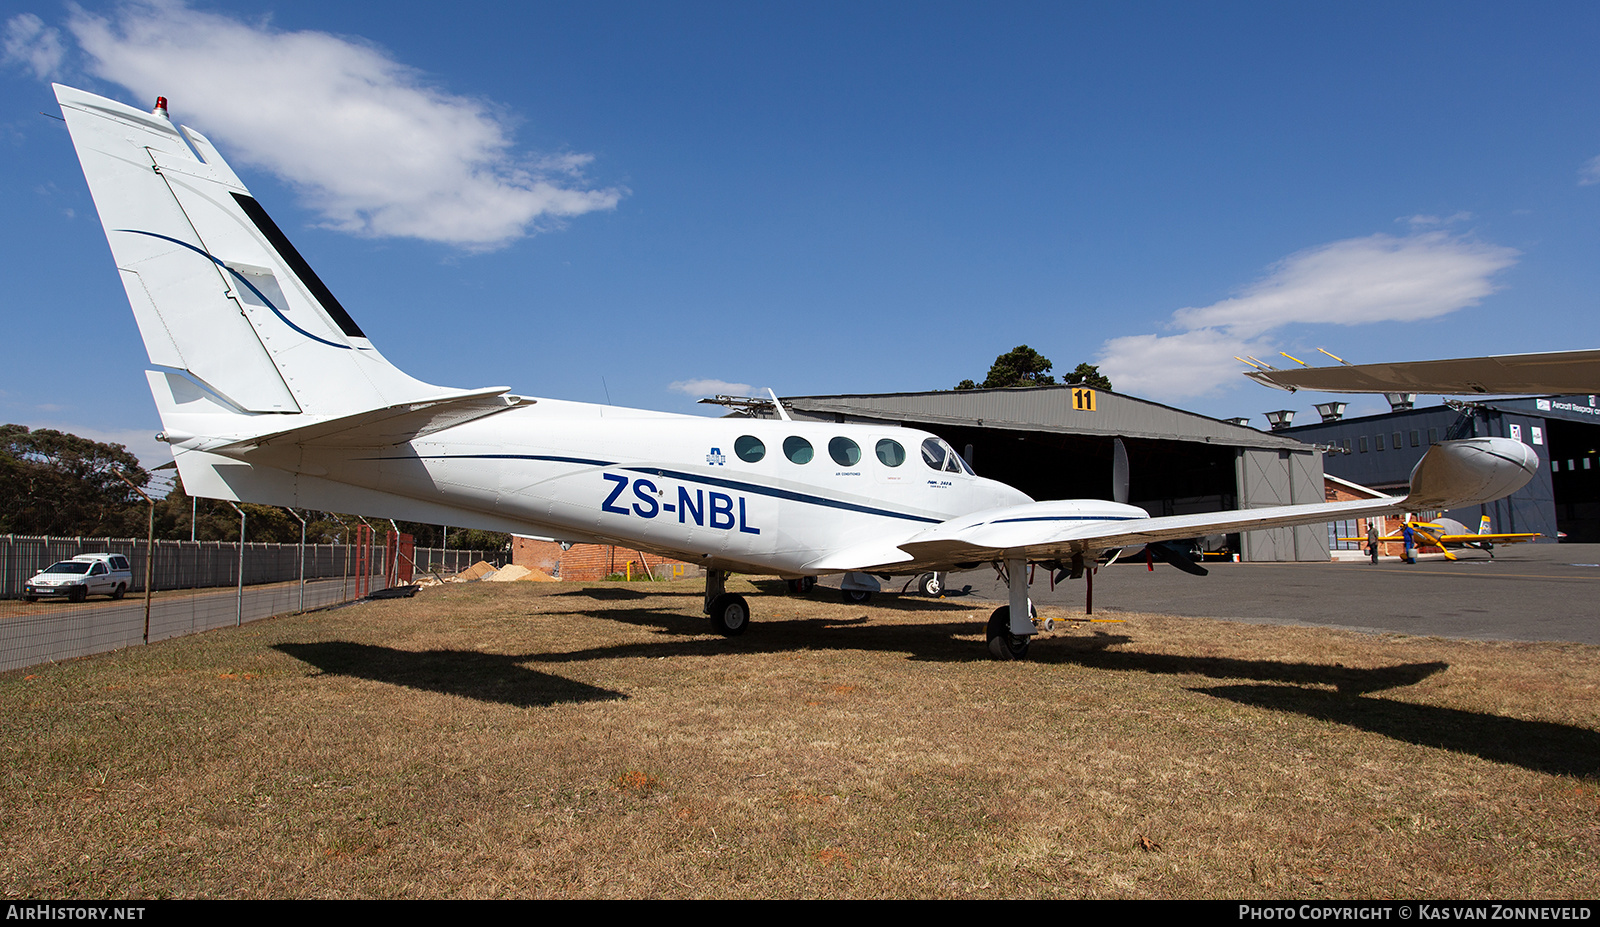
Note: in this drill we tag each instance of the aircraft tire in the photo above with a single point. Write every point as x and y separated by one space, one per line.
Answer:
856 596
931 585
1003 645
730 614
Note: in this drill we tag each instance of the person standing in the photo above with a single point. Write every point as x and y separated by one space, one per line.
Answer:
1410 542
1372 539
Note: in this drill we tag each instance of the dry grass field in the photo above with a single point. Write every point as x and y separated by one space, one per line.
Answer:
547 740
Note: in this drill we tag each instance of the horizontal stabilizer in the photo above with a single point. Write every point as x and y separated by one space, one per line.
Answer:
382 427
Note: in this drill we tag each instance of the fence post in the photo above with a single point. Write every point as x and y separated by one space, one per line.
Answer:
239 619
302 557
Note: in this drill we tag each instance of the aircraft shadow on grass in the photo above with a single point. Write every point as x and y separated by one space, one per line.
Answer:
937 642
1539 746
486 677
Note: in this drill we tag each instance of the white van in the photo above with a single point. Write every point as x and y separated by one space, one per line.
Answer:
81 577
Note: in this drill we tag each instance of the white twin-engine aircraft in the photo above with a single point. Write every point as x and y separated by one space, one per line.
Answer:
270 393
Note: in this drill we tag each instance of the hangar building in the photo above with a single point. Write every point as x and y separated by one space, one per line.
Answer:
1564 431
1055 442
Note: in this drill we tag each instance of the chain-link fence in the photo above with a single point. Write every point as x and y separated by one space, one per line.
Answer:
198 585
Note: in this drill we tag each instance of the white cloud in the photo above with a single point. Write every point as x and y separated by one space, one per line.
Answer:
31 44
1421 221
710 388
1352 282
368 142
1590 172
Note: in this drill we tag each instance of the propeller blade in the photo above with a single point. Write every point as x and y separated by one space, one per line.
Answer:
1177 554
1119 472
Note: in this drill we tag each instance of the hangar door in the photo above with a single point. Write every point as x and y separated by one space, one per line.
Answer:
1281 477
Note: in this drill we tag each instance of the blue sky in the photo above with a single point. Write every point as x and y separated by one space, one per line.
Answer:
650 202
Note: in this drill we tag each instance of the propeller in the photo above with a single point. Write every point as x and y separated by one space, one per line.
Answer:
1175 553
1119 472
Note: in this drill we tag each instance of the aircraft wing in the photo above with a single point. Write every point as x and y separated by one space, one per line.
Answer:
1492 538
1553 372
1451 474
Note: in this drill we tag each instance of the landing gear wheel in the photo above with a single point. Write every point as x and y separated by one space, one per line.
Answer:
857 596
730 615
1003 645
931 585
120 591
802 585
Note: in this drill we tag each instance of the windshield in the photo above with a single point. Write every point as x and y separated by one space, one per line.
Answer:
68 566
939 456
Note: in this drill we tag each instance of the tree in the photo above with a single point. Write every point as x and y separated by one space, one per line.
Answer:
1088 375
56 483
1021 366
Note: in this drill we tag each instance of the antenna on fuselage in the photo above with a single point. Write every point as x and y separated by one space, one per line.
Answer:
782 413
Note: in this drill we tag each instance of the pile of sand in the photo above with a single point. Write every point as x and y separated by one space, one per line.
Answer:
514 573
477 571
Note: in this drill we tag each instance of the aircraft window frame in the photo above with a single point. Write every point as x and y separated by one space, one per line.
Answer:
749 448
898 449
948 462
795 447
845 452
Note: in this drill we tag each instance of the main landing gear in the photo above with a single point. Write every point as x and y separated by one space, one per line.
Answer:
1009 637
730 614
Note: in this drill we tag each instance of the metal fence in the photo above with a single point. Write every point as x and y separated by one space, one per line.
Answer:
197 588
199 564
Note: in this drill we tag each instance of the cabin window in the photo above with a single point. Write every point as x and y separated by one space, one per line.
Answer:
845 452
891 453
749 448
797 449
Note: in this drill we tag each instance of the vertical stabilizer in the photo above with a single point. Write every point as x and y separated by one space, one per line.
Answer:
217 289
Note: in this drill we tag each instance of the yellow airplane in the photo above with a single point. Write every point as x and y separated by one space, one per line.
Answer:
1447 533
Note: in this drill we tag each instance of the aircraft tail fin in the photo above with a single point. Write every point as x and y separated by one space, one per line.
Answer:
1483 525
220 295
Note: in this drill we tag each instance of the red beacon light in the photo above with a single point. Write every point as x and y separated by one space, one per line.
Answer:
161 107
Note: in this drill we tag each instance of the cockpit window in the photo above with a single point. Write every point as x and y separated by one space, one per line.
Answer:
845 452
938 456
891 453
797 449
749 448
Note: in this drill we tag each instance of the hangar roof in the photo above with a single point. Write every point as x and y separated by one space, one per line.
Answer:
1041 408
